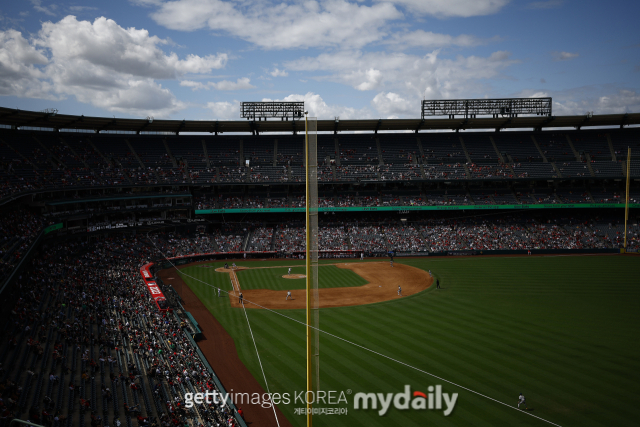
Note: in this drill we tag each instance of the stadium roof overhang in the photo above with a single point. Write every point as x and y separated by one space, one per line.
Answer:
21 118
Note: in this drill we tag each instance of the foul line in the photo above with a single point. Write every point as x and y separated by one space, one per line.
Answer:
359 346
259 361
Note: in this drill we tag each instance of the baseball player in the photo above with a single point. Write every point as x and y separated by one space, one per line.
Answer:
391 262
288 295
218 292
240 298
361 256
522 401
399 288
438 284
289 271
233 265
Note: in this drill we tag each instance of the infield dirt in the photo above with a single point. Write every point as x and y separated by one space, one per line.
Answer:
383 281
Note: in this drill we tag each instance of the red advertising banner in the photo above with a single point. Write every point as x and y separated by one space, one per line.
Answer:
154 289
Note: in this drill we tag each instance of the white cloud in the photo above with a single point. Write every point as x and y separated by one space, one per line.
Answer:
373 79
20 67
107 45
624 101
548 4
430 40
99 63
606 99
225 110
278 73
81 8
452 8
564 56
391 105
241 83
317 107
147 2
409 75
134 97
280 25
618 102
48 10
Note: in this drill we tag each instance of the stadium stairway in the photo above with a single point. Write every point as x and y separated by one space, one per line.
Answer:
573 149
380 159
246 240
613 152
206 153
466 170
535 142
495 147
106 160
135 155
166 147
588 159
466 153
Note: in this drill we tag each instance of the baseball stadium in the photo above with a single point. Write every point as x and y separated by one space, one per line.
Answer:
330 272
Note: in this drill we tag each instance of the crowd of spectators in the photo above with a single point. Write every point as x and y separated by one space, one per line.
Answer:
290 239
87 345
332 237
108 161
261 239
18 229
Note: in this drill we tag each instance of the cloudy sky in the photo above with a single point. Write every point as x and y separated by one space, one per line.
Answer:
197 59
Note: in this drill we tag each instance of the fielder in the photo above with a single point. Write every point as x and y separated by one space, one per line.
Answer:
399 288
288 295
522 401
289 271
218 292
233 265
361 256
240 298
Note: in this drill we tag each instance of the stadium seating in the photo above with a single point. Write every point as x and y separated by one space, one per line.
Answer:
33 161
98 352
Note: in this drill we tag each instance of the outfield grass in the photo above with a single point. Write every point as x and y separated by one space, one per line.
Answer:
562 330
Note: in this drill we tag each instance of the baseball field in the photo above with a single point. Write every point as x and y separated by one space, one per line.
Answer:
562 330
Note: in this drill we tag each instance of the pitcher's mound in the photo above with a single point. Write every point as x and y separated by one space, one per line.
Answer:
294 276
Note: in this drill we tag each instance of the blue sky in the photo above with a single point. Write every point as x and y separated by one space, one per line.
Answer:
197 59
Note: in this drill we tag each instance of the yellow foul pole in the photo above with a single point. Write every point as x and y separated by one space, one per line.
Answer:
308 279
626 203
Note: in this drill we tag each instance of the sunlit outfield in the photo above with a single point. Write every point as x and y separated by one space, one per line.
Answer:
562 330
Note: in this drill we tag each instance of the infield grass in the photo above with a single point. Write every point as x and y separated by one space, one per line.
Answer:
561 330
